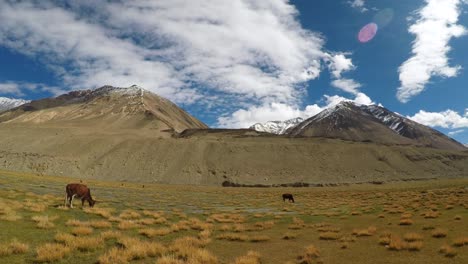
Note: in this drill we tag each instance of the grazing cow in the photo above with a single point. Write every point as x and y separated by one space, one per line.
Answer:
80 191
288 196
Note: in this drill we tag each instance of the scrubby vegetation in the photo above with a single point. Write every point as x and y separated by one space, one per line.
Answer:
419 222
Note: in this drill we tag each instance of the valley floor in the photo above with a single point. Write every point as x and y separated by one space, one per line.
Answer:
407 222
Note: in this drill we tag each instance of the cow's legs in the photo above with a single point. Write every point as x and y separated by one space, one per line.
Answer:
71 201
66 199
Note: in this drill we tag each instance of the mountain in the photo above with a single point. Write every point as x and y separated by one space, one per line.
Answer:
372 123
8 103
107 108
276 127
130 134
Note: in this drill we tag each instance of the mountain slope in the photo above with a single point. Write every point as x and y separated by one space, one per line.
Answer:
106 107
410 129
277 127
125 134
8 103
373 123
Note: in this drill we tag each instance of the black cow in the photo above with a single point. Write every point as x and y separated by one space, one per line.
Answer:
288 196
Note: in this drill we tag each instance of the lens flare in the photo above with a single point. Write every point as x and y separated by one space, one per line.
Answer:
367 33
384 17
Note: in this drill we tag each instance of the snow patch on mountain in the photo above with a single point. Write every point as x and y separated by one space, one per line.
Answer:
277 127
9 103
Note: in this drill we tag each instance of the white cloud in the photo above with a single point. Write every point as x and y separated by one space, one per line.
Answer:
10 88
179 49
435 27
359 5
279 112
456 132
347 85
17 88
239 54
445 119
338 63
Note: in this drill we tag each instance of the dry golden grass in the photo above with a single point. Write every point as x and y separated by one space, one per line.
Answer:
44 221
259 238
448 251
80 243
232 237
13 248
297 224
365 232
151 232
414 245
457 217
264 225
8 214
396 243
137 249
439 233
430 214
289 236
101 211
35 207
329 236
146 221
81 230
197 224
129 214
51 252
460 242
110 234
74 222
190 249
410 237
114 256
100 224
169 259
406 221
127 224
310 255
252 257
226 218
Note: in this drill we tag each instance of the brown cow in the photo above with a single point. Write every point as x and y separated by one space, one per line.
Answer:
288 196
80 191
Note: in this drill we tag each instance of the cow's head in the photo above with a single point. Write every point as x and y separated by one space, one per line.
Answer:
91 202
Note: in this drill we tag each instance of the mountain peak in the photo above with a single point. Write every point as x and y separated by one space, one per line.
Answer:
277 127
350 121
106 106
9 103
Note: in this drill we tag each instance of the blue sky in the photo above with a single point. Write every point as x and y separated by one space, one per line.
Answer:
235 63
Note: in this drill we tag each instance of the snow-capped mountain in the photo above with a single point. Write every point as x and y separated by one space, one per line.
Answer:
277 127
9 103
372 123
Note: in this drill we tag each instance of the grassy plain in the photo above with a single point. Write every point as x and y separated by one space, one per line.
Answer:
407 222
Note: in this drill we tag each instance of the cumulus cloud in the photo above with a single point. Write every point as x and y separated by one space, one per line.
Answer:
435 27
244 118
359 5
446 119
347 85
338 63
239 54
179 49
